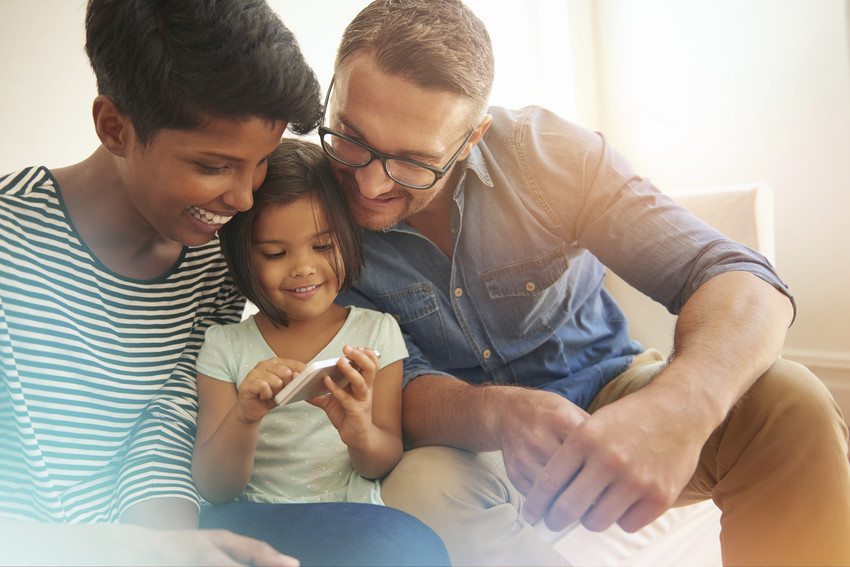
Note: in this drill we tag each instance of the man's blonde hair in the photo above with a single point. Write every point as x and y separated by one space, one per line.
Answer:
437 44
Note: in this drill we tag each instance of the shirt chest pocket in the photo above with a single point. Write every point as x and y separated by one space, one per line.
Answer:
417 311
529 295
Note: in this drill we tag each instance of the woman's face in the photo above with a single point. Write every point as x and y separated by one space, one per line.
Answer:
187 183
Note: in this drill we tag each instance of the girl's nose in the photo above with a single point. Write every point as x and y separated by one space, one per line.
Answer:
303 265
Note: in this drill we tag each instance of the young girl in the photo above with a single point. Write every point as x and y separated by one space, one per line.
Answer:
290 254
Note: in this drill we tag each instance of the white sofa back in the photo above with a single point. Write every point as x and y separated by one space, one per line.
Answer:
742 212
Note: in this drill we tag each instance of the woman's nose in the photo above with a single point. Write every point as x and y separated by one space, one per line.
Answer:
240 195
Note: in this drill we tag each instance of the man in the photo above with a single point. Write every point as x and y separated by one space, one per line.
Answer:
488 232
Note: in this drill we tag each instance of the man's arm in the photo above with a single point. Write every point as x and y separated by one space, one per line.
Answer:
728 334
526 424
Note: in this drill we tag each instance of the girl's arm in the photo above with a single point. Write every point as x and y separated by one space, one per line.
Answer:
228 427
367 413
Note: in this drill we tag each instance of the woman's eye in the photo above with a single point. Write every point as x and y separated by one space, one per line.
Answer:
212 170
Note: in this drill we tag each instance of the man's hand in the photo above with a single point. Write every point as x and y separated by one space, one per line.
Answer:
627 463
533 431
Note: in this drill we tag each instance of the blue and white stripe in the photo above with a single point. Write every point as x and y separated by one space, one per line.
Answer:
98 401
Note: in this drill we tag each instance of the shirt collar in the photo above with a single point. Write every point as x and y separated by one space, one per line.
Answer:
475 162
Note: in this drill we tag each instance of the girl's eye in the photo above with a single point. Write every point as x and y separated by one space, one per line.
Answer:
274 255
324 247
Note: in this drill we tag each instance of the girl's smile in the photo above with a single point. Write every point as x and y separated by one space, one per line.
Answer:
294 257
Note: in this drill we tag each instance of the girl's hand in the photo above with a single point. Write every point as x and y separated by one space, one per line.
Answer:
350 408
258 389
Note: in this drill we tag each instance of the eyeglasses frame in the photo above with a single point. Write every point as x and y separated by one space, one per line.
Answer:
439 172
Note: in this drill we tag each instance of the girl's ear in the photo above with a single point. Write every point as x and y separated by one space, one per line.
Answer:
113 128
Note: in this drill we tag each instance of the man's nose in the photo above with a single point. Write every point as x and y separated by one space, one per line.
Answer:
373 181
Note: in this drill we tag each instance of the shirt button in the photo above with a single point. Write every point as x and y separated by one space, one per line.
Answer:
486 353
454 230
458 292
530 287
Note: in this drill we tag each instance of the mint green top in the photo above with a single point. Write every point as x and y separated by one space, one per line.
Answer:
299 455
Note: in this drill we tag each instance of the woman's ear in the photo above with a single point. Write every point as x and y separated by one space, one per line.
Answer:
113 128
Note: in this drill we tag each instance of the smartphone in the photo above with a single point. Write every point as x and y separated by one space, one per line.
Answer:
309 383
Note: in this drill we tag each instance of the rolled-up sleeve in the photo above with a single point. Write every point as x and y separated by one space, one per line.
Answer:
637 231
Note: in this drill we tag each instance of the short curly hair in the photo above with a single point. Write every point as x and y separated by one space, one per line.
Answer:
175 64
437 44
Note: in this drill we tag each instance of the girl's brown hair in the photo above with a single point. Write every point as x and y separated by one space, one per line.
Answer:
296 169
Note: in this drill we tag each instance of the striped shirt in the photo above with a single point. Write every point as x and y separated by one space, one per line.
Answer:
98 400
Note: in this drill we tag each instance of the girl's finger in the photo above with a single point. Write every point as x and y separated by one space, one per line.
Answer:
340 394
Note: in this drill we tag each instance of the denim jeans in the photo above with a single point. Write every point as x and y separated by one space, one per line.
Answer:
333 533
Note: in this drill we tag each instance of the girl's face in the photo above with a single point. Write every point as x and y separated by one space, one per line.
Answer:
293 255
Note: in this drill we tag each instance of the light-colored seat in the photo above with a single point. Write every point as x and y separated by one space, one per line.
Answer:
742 212
687 536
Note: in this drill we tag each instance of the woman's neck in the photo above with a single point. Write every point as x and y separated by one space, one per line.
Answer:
108 223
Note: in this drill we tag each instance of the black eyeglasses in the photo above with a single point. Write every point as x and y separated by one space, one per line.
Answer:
407 172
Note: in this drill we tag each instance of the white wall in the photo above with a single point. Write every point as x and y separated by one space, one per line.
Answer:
725 91
695 92
48 87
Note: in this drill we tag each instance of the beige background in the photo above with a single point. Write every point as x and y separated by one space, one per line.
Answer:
695 92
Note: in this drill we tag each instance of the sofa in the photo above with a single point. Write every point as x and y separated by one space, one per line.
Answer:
686 536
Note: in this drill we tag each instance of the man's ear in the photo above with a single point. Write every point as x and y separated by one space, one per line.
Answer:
113 128
479 132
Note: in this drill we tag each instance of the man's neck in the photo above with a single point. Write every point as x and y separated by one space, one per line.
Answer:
434 221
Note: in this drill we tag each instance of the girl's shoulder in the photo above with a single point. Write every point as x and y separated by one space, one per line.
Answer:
368 317
378 330
245 328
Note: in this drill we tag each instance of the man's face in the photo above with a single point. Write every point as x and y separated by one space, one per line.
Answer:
393 116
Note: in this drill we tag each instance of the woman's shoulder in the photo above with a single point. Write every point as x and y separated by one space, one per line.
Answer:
23 181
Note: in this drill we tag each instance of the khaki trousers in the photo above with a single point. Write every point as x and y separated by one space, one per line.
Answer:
777 467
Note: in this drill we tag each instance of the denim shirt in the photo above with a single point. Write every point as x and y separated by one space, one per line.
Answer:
540 208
